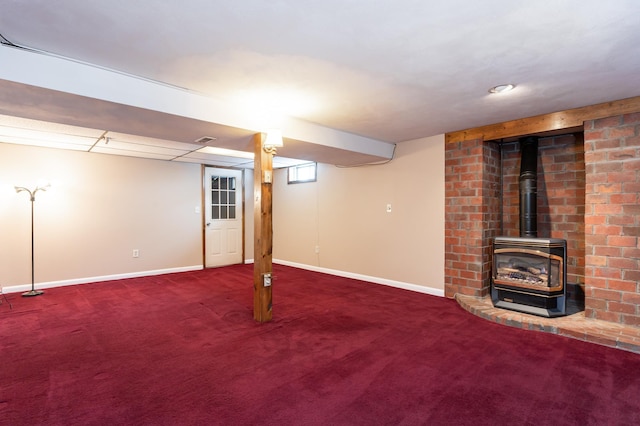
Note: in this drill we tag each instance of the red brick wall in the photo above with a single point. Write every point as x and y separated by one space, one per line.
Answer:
471 215
561 195
588 194
612 219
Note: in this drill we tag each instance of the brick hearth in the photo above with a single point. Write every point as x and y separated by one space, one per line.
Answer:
574 325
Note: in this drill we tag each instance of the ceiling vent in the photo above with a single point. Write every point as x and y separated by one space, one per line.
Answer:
206 140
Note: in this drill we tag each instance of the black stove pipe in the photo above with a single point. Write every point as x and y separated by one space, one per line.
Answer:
529 187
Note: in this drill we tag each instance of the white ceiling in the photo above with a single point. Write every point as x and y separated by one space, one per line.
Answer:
371 72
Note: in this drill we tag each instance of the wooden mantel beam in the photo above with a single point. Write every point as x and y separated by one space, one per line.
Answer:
554 121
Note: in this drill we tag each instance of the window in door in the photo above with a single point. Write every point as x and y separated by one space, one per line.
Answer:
223 197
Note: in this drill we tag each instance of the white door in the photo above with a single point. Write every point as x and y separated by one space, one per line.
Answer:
223 217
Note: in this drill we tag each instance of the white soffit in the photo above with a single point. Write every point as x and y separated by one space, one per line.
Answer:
26 67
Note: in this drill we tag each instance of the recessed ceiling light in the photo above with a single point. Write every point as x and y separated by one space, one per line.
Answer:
502 88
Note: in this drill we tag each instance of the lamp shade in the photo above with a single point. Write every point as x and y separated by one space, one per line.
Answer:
274 138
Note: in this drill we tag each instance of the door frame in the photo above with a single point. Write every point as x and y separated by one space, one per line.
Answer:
203 208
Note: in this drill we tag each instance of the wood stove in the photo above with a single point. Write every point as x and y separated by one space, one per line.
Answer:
529 273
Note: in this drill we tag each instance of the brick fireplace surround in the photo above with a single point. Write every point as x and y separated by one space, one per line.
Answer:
588 194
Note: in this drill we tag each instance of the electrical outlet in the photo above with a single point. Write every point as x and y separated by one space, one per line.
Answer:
317 249
388 208
136 253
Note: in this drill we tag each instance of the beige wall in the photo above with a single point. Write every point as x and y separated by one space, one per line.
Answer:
344 214
100 208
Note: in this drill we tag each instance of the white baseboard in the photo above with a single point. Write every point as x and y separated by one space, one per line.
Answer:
52 284
375 280
367 278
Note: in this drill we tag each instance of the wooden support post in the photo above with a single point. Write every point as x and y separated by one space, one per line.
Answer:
263 230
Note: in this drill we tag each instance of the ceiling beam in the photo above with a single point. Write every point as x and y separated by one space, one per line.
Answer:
554 121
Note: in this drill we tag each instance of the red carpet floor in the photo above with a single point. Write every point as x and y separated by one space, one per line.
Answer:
183 349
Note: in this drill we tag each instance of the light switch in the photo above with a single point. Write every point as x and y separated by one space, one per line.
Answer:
266 280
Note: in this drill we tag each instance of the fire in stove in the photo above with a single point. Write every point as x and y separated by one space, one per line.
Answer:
528 269
516 270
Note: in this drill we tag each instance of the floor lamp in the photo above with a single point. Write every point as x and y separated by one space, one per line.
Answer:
32 196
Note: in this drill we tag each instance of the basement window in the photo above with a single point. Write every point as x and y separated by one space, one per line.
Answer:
302 173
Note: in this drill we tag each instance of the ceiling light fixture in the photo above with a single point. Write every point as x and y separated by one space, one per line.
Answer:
273 141
502 88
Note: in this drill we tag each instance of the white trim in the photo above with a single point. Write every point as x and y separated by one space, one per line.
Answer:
398 284
52 284
88 280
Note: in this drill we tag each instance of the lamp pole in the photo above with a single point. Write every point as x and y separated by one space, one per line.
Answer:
32 198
